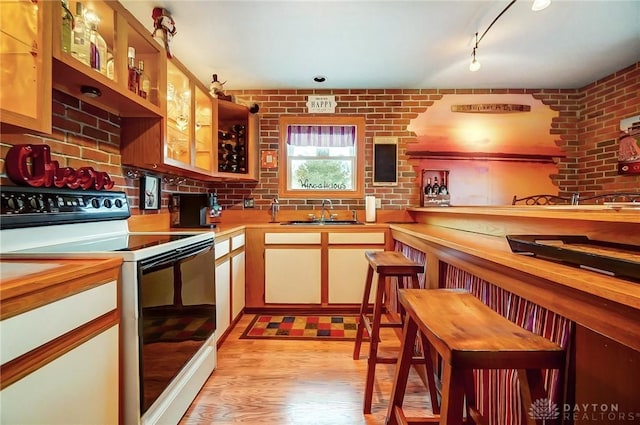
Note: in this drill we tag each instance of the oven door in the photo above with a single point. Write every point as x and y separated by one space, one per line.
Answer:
176 294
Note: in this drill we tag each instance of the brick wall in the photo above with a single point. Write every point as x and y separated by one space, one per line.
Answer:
605 102
587 130
388 112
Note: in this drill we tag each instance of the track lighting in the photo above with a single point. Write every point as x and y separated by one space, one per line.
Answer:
537 6
475 65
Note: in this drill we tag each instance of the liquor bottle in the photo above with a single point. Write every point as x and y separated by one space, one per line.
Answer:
98 50
80 42
67 27
143 81
443 187
132 80
110 65
436 186
428 189
94 54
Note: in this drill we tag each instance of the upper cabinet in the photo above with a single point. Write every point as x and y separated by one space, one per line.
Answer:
189 122
96 51
25 55
104 56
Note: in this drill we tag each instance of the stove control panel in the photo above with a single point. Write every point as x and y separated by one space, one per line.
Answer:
34 206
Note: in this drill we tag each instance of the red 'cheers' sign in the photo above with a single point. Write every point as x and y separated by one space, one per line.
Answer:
31 165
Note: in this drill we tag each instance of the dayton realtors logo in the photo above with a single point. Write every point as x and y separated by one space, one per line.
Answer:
544 409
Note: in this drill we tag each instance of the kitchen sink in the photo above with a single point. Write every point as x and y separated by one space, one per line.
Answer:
320 223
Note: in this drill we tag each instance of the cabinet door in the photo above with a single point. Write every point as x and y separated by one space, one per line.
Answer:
25 54
347 274
238 282
292 276
223 296
203 129
86 376
179 118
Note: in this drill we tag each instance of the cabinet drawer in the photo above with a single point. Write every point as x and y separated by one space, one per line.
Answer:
221 248
34 328
237 242
292 238
356 238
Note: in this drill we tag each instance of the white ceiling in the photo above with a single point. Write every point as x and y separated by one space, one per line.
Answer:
400 44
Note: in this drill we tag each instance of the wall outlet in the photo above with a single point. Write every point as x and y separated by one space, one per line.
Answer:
248 203
378 203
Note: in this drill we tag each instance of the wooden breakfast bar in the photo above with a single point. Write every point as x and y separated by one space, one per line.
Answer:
466 247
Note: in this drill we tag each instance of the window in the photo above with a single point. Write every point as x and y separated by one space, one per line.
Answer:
321 157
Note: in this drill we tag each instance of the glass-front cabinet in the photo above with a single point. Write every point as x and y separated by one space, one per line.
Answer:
189 122
25 55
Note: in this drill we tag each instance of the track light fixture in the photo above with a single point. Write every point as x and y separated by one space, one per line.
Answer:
537 6
475 65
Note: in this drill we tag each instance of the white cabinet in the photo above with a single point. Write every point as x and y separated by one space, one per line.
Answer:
64 343
85 377
223 287
293 272
292 276
237 276
347 274
348 266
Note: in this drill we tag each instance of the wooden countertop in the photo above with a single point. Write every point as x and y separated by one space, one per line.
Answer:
496 249
603 213
30 283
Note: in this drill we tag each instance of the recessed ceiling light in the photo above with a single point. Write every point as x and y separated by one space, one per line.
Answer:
319 78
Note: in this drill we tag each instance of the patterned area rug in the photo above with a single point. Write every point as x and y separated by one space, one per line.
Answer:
334 328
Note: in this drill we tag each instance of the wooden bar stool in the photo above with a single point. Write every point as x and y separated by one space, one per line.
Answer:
387 264
468 335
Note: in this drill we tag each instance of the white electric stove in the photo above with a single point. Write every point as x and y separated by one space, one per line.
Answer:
167 289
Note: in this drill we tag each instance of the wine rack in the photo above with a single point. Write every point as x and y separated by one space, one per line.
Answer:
234 145
232 149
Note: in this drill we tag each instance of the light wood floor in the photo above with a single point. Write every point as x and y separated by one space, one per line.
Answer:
290 382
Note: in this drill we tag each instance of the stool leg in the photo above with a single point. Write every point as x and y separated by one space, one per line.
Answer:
431 380
452 395
409 335
374 339
363 313
531 389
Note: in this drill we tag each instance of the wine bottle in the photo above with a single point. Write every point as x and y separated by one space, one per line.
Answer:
443 187
143 81
132 80
436 186
428 189
80 41
67 27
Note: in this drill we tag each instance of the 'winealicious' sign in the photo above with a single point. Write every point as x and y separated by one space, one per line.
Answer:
31 165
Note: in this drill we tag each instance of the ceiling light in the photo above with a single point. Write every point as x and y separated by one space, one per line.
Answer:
475 65
538 5
319 78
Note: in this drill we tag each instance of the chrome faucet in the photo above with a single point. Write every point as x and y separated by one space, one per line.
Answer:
275 206
323 208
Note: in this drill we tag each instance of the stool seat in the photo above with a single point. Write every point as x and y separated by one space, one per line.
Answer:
468 335
392 263
387 264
